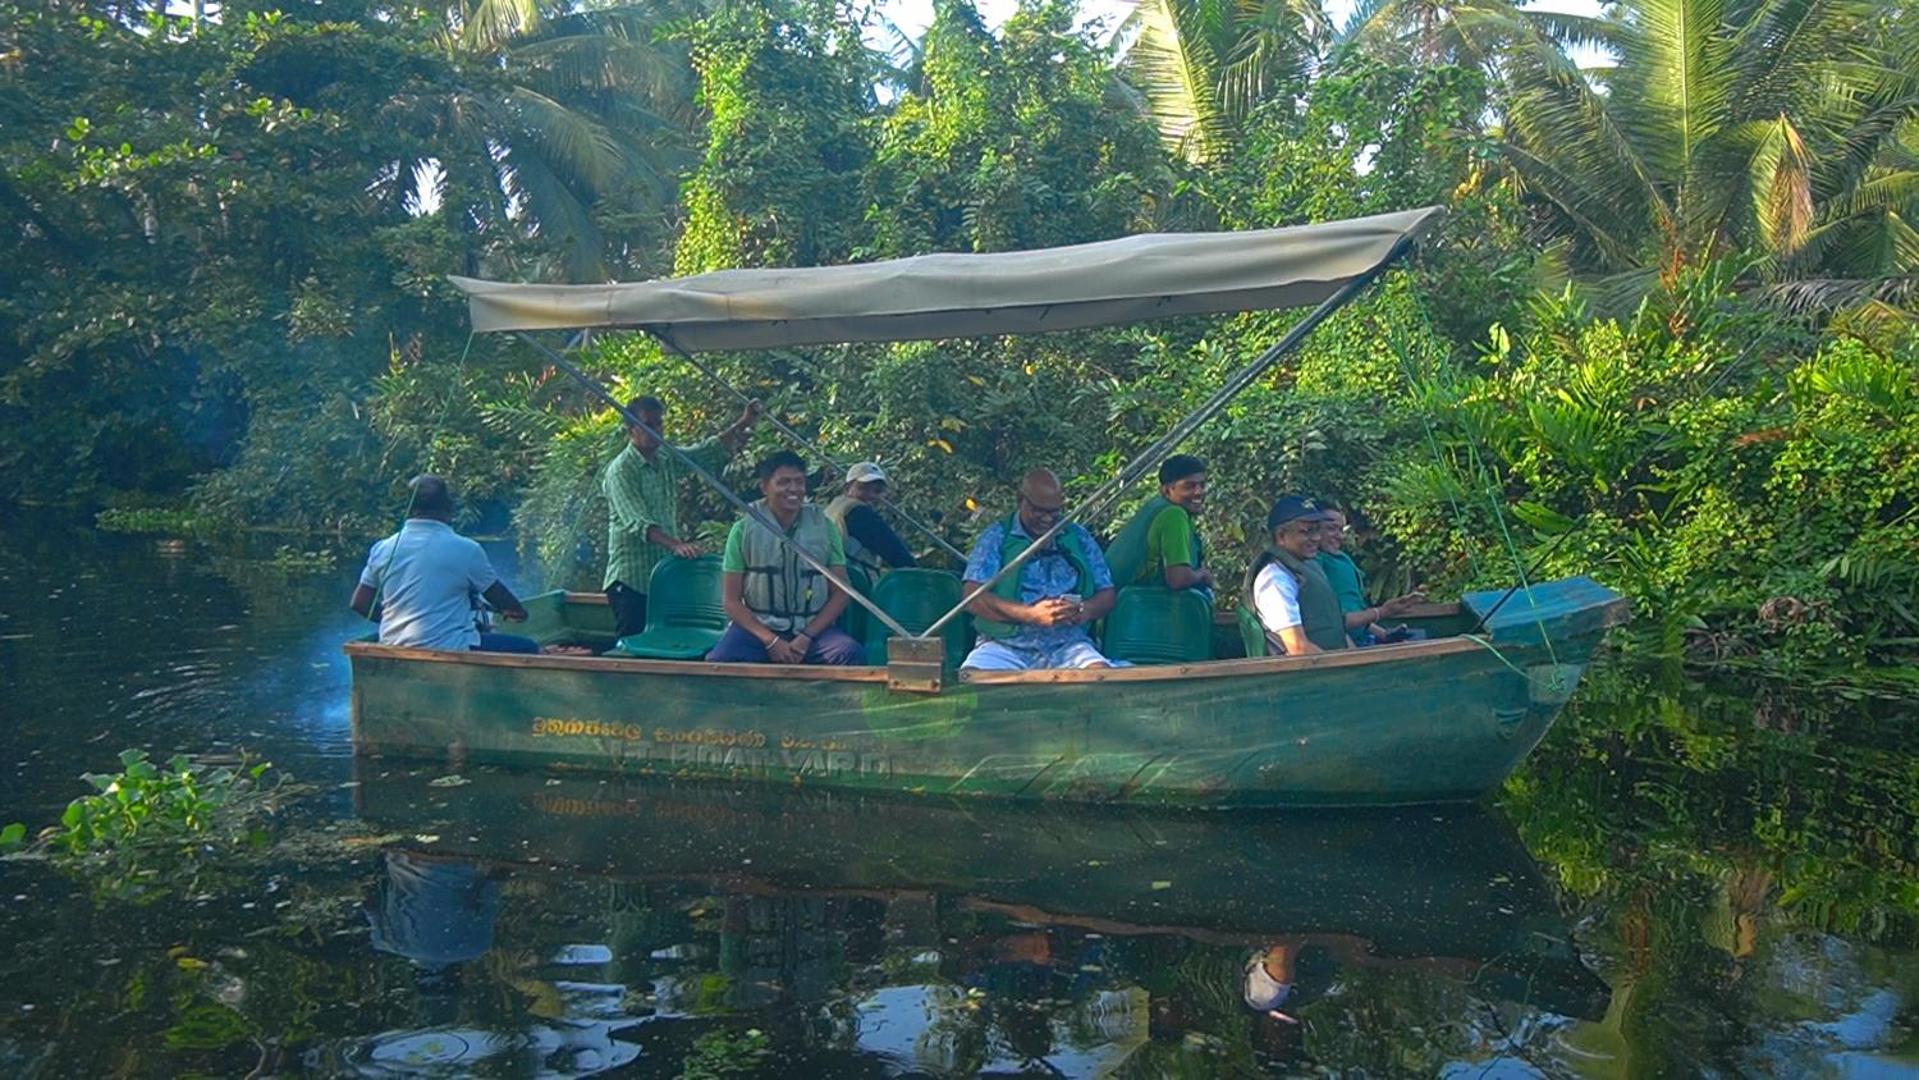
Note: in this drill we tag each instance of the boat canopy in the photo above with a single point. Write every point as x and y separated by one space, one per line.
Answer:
1133 278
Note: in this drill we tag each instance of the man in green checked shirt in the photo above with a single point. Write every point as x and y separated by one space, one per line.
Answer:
642 501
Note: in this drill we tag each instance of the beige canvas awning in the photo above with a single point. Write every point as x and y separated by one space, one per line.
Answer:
927 297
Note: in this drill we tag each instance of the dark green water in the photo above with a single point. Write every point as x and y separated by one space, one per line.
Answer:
1686 880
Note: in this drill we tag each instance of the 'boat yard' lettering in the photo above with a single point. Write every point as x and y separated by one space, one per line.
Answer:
702 747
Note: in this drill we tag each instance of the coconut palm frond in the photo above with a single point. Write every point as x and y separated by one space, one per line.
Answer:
1174 63
1781 179
491 24
571 144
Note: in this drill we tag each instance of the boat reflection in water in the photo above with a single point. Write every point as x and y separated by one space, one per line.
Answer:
625 921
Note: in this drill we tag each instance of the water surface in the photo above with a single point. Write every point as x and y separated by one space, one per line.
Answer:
1686 879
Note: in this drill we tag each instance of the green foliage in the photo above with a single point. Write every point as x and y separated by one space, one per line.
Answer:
149 519
150 828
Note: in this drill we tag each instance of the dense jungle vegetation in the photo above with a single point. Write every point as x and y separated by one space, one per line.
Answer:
1666 336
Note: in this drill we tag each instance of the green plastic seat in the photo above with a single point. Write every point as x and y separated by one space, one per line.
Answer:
685 611
916 597
1152 624
1251 633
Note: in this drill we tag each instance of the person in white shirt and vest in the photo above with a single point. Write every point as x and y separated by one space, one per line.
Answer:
783 610
421 582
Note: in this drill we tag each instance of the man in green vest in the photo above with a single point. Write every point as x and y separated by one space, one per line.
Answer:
783 610
642 488
1286 587
1036 616
1161 545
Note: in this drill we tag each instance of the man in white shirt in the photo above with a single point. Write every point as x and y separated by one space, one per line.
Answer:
1289 592
421 581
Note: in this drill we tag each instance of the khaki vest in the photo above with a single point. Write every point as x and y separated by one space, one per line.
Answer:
783 591
1320 618
856 552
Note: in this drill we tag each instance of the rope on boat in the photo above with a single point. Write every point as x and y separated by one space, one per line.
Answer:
805 443
1482 475
459 375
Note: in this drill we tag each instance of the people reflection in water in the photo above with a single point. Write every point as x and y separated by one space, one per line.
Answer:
433 910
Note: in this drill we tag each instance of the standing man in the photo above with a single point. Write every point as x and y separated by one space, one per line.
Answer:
871 544
783 610
642 487
1160 545
1037 616
421 582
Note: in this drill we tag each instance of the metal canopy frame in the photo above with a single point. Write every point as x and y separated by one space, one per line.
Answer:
1100 498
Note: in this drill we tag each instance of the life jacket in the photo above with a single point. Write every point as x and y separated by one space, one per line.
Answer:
1319 616
856 552
783 591
1069 543
1126 556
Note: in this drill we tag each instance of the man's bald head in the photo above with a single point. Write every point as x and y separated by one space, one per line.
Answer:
1041 501
1041 484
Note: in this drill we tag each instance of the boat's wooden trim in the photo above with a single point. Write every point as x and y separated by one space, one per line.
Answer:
623 665
1223 669
589 598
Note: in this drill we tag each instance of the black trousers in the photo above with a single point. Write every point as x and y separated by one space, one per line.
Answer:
629 608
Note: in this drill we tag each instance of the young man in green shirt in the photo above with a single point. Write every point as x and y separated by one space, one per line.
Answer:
783 610
1161 545
642 488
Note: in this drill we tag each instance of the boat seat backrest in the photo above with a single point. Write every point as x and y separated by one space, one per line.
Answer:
1152 624
916 597
686 593
1252 634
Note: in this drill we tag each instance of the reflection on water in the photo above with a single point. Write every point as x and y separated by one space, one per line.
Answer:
1684 881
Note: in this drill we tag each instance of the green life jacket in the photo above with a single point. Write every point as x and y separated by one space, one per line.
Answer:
1127 555
1010 545
1319 616
857 554
783 591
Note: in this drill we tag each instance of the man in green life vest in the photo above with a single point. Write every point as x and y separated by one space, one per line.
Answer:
1161 545
783 610
1036 617
1286 587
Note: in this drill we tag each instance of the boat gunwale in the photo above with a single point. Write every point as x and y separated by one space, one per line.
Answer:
1615 612
1231 668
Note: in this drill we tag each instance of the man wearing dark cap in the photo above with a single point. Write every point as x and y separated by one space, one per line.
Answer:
1286 587
1161 545
420 583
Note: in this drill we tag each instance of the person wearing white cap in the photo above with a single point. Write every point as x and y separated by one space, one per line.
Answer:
870 542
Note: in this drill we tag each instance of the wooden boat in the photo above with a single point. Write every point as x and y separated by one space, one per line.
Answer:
1429 721
1449 890
1443 719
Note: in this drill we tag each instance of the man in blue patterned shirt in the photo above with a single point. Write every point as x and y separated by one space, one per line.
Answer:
1037 616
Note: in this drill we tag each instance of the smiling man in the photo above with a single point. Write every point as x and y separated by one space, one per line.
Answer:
783 610
1161 545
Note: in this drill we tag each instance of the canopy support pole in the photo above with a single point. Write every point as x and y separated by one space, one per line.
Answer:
1146 458
597 389
807 444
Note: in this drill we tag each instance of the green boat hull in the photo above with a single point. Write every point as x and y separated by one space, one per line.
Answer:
1436 721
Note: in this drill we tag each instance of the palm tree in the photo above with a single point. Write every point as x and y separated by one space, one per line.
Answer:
1774 130
549 109
1204 65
